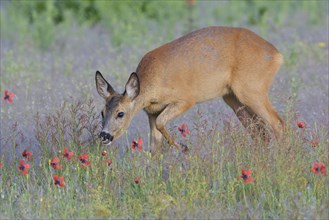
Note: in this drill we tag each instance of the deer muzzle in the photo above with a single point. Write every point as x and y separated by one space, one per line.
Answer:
105 137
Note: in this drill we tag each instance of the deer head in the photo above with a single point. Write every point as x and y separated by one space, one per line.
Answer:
119 108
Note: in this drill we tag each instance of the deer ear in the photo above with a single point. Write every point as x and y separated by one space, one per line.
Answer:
132 86
104 89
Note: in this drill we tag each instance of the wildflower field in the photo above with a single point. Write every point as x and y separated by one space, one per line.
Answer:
53 166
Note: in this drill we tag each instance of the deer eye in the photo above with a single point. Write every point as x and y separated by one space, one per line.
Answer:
121 114
102 114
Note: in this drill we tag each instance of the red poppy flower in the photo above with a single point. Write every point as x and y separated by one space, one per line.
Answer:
27 154
301 124
104 153
84 160
23 168
8 96
109 162
59 181
68 154
314 143
319 167
246 176
183 130
1 165
137 180
137 144
54 164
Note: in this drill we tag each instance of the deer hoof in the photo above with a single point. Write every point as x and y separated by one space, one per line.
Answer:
184 147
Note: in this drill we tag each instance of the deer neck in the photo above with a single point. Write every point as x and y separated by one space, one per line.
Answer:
139 103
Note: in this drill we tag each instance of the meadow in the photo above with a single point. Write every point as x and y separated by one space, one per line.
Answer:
50 116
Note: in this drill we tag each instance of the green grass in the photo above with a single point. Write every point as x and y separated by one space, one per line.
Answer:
173 185
46 64
129 21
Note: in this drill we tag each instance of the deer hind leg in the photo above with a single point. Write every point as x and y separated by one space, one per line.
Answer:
156 136
170 112
247 117
260 105
273 118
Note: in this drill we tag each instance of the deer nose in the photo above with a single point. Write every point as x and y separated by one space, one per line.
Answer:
105 137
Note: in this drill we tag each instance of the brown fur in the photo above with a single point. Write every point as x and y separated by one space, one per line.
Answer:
233 63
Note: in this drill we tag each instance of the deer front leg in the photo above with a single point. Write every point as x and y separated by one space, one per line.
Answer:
169 113
156 136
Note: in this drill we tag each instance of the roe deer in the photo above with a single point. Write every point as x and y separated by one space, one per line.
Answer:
233 63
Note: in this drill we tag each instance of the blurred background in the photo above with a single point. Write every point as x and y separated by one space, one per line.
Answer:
51 49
